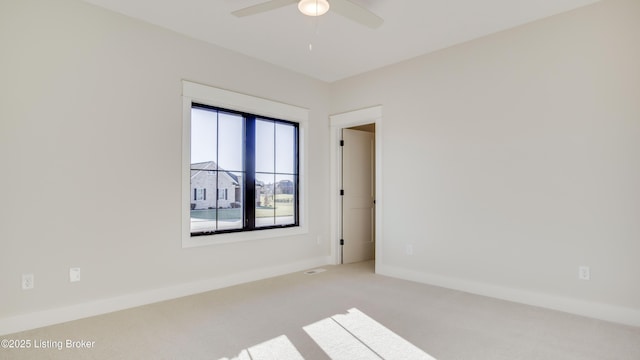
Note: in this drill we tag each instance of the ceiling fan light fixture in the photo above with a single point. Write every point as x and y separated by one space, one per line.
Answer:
313 7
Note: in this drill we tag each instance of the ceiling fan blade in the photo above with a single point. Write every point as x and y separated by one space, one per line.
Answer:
356 13
263 7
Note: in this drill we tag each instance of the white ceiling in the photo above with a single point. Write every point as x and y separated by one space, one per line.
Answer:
341 48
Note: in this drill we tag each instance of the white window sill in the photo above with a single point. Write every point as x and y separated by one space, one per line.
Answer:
215 239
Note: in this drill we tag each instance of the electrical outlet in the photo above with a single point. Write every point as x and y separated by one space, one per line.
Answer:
27 281
584 273
74 274
409 249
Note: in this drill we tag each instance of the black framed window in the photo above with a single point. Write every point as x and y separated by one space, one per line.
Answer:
250 163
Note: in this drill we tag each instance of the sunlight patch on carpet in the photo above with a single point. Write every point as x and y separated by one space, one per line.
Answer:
356 336
349 336
279 348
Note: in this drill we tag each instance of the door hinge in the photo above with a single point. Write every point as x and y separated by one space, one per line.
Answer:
341 142
341 241
341 192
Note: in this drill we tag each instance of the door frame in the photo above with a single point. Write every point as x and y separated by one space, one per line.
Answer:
337 122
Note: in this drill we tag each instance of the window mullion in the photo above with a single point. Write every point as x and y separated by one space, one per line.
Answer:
296 171
250 173
275 161
216 170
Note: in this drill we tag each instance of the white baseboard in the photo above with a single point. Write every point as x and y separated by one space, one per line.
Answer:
38 319
617 314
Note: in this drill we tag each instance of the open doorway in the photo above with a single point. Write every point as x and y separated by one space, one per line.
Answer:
355 172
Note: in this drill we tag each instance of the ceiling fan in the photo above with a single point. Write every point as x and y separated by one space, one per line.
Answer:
345 8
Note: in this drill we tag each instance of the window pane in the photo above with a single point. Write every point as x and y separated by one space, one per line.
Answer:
216 201
265 204
231 141
285 148
285 199
203 201
230 190
204 142
204 135
265 156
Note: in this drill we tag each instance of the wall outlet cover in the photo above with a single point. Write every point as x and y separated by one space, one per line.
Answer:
27 281
409 249
74 274
584 273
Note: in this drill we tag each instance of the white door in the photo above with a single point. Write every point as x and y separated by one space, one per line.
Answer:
358 216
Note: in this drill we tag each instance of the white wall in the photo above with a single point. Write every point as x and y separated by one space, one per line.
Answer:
511 160
90 150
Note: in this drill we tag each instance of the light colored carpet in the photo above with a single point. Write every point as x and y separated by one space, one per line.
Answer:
446 324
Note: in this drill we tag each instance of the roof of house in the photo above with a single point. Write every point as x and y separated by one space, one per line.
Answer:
212 166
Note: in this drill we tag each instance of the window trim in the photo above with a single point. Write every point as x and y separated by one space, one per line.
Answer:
216 97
